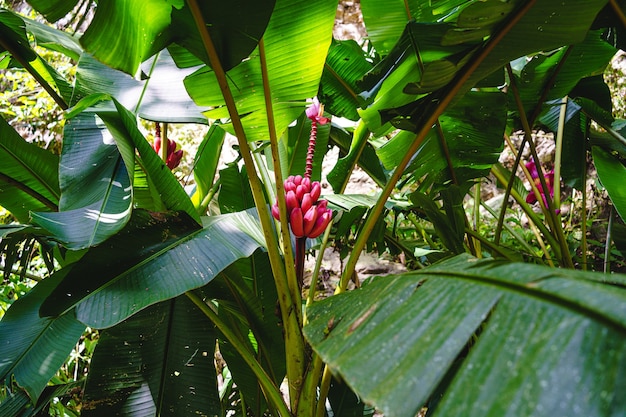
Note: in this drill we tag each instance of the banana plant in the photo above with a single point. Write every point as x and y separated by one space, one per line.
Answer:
173 277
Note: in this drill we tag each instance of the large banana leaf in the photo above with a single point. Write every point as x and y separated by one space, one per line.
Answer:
345 65
32 348
156 257
158 362
545 26
295 44
125 33
246 297
160 96
28 175
53 10
585 59
492 339
96 192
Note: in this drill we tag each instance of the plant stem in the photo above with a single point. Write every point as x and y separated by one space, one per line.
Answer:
270 391
290 310
607 244
294 340
300 251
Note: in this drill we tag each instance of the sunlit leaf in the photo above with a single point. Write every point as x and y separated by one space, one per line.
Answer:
295 62
96 193
533 332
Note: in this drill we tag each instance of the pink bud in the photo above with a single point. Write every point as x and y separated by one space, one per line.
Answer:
321 223
157 144
316 190
300 190
275 211
290 186
309 220
306 182
297 222
292 201
307 202
173 159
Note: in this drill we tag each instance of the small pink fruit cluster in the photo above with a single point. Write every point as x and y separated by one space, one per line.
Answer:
308 216
173 156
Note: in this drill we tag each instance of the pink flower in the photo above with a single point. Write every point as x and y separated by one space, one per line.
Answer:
315 112
549 177
307 215
173 156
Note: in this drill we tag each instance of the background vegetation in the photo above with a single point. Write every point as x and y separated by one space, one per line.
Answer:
132 287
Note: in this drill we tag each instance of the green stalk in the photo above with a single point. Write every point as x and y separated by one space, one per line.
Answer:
290 311
294 340
445 101
270 391
557 153
565 257
607 244
292 280
583 245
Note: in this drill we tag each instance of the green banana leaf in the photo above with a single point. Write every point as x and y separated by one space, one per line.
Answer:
96 193
33 348
124 33
14 40
490 338
246 297
295 45
561 71
545 26
28 175
161 96
158 362
156 257
206 162
611 173
345 66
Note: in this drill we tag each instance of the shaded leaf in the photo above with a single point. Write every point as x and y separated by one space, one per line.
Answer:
28 175
158 362
155 258
345 65
611 172
33 348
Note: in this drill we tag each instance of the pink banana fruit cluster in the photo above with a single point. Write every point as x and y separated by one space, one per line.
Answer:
308 215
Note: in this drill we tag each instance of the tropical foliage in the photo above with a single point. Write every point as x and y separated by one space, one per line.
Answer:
193 291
